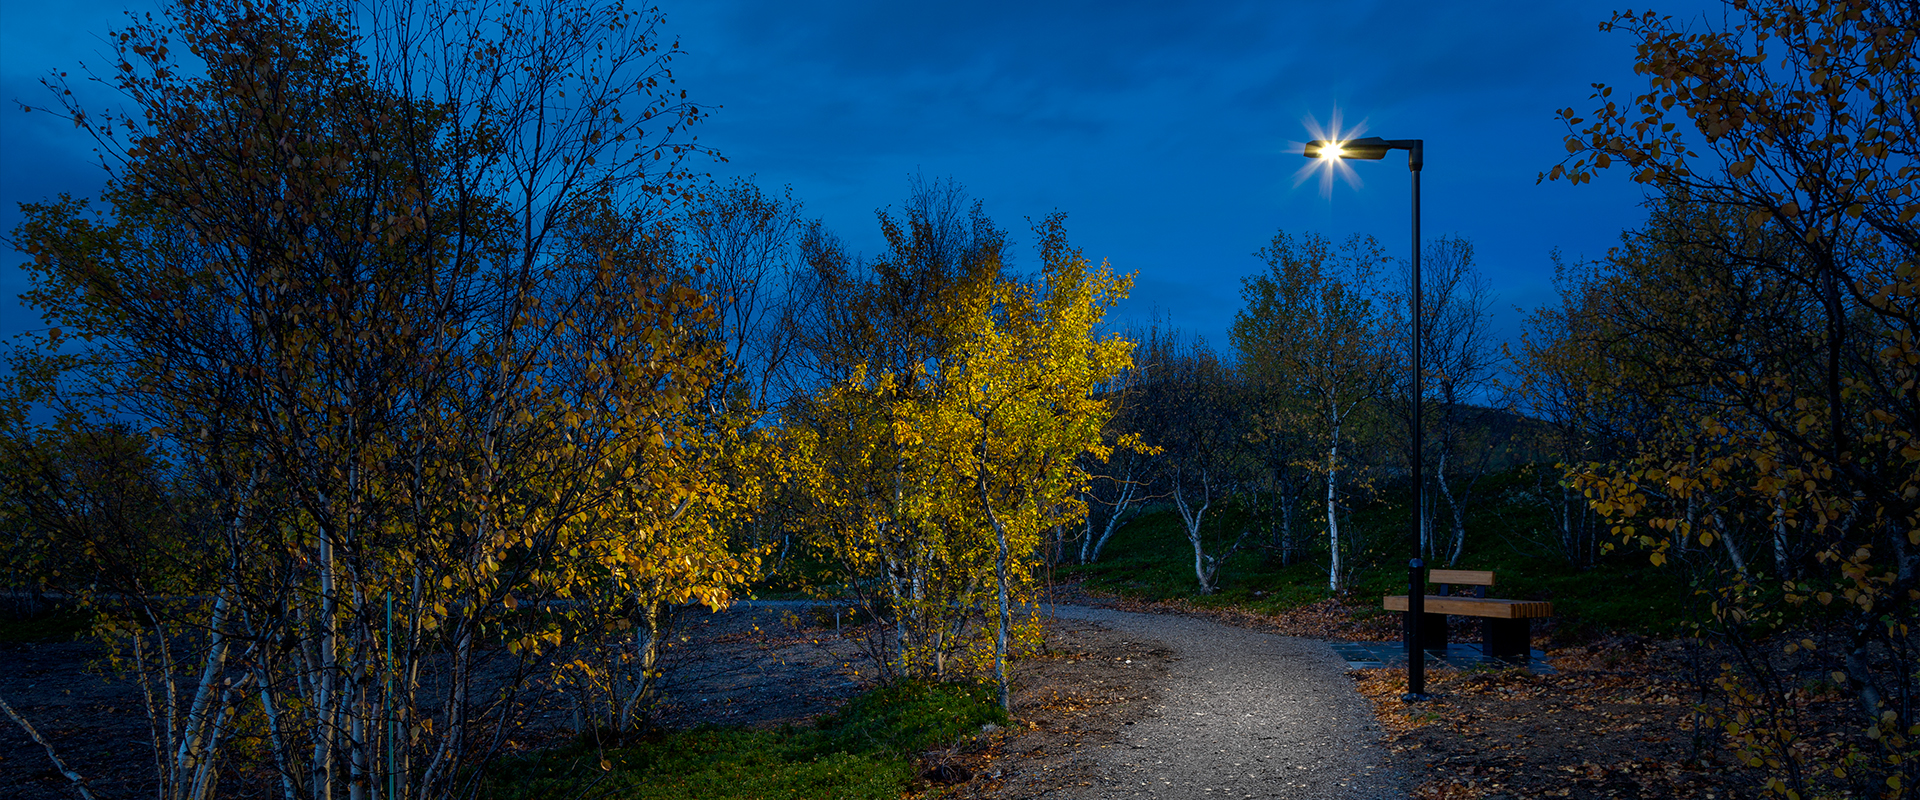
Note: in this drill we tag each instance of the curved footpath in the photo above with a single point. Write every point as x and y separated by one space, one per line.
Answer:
1243 714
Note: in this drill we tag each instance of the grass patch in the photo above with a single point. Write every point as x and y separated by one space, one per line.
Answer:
866 750
1151 559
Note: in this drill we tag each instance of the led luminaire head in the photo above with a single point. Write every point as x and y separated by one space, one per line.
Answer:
1372 148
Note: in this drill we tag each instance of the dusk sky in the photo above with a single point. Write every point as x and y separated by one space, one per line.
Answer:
1168 132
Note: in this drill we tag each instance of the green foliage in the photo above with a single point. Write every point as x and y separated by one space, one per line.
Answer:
866 750
910 717
706 764
1150 560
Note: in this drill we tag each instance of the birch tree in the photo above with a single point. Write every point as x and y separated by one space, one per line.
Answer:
385 279
1122 483
1458 358
1783 143
1194 407
930 484
875 340
1313 322
1019 410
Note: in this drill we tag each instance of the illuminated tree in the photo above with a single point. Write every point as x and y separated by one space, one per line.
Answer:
930 484
1780 354
1021 409
875 340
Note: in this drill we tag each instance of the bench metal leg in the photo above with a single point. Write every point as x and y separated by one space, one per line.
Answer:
1433 631
1506 638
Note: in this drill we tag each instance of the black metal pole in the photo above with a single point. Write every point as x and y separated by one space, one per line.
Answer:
1374 148
1416 582
1416 647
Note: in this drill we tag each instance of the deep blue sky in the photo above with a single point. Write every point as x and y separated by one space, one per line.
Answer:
1167 131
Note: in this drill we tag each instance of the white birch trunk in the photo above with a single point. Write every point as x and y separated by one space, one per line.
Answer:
1693 513
901 638
196 731
74 779
1781 563
1128 491
448 754
1287 500
1334 582
324 715
1565 512
1005 616
206 770
647 641
276 741
1192 517
902 611
1455 510
1726 538
358 733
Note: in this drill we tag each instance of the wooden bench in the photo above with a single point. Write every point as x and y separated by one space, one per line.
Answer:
1503 622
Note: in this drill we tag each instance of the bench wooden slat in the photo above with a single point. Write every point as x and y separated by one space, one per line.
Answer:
1463 577
1475 606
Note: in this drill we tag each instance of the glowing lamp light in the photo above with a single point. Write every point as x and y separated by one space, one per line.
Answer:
1372 148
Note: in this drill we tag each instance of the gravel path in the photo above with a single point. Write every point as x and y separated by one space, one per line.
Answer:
1243 714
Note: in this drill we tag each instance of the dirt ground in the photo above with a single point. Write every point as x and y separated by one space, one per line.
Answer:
749 666
96 722
766 665
1087 686
1616 720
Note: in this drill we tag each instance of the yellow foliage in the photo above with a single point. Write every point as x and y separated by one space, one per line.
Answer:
1754 346
924 484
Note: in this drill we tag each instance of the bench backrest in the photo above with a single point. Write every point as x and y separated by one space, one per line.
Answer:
1465 577
1479 579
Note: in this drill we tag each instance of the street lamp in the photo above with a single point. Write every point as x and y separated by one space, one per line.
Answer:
1374 148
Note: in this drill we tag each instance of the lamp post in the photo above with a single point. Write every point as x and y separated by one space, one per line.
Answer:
1374 148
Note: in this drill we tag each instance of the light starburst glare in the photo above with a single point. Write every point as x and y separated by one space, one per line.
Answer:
1329 164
